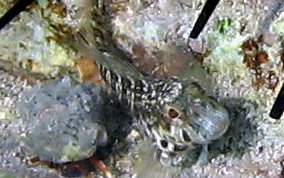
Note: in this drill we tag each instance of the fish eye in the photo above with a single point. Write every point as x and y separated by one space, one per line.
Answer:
172 113
164 143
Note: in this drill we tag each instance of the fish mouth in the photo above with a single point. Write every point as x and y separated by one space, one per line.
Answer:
172 142
180 147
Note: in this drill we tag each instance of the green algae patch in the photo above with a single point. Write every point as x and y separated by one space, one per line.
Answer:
71 152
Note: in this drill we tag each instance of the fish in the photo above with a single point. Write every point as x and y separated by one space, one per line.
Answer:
175 113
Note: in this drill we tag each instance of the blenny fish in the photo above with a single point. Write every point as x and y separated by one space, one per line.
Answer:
176 113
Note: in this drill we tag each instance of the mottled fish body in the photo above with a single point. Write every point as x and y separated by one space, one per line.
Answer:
176 113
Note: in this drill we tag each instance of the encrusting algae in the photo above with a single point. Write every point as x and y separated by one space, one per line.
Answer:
147 41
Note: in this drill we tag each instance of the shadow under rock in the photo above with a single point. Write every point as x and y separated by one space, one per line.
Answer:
118 126
242 131
118 123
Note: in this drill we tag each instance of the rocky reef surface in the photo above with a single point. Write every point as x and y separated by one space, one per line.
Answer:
241 48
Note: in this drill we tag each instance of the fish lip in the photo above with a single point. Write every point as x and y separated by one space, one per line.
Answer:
222 126
197 138
209 126
180 146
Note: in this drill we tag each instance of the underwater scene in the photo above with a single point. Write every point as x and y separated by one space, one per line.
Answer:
145 88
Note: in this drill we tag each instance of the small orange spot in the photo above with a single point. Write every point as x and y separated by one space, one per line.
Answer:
88 71
101 166
250 45
253 58
200 57
36 161
59 9
261 57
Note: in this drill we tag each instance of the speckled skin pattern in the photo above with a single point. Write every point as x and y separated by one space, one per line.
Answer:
176 114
